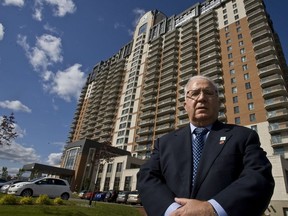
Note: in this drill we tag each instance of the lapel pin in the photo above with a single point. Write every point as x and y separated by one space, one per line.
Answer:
222 140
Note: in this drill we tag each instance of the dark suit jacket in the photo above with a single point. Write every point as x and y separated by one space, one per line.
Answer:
236 172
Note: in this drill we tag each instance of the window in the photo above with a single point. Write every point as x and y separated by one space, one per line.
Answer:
106 183
246 76
231 63
232 72
116 183
228 41
248 85
230 56
252 117
254 127
242 50
237 120
226 28
227 34
234 90
229 48
249 95
236 17
119 167
250 106
235 11
238 29
234 5
127 183
236 109
233 80
240 36
243 59
245 67
235 99
224 11
225 16
109 168
237 23
241 43
226 22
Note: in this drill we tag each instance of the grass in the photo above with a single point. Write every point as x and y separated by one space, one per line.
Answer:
70 208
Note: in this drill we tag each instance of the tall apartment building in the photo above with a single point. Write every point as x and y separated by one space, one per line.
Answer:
137 95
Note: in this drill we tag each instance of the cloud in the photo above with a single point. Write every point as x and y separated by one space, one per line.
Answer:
67 84
17 153
18 3
54 159
118 25
46 51
15 106
60 8
1 31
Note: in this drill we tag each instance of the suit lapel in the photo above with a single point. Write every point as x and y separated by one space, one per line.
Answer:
216 141
183 157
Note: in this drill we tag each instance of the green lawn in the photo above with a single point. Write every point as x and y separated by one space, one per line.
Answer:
70 208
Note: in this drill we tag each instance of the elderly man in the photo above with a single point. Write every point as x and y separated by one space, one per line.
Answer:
206 168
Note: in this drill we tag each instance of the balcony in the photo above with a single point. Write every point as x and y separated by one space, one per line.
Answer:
259 27
207 17
145 131
167 94
165 119
208 50
272 103
188 72
167 87
267 60
149 114
273 91
144 139
165 128
146 123
153 77
279 140
183 122
257 20
166 102
206 37
260 53
262 43
211 64
189 64
256 13
280 114
141 148
269 70
272 80
148 99
209 57
253 7
148 106
278 127
166 110
182 114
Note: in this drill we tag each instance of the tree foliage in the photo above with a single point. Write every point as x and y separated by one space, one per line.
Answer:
7 130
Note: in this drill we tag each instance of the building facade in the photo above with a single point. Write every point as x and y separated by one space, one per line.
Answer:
137 95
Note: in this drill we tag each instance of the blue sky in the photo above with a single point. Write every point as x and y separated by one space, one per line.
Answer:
47 49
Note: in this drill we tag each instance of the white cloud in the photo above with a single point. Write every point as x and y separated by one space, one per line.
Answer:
17 153
15 106
54 159
60 8
18 3
46 51
138 14
1 31
67 84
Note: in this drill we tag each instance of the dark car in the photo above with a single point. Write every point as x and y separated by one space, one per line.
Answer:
100 196
88 195
111 196
82 193
122 197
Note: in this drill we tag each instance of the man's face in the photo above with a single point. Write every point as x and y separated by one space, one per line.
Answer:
201 102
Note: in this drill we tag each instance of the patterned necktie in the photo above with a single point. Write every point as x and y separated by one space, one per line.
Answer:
198 144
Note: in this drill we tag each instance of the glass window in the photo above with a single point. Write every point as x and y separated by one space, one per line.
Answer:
248 85
119 167
241 43
246 76
224 11
234 90
230 56
250 106
245 67
226 22
235 11
236 17
232 71
233 80
236 109
243 59
229 48
242 50
237 120
240 36
226 28
249 95
235 99
228 41
109 168
254 127
227 34
234 5
252 117
225 16
237 22
238 29
231 63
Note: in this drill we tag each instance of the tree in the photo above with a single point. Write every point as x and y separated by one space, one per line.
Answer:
4 173
20 173
7 132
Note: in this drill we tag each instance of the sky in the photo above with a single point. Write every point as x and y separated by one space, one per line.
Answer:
47 50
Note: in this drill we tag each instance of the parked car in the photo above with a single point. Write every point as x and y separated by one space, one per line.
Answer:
111 196
53 187
134 198
100 196
2 182
82 193
6 186
88 195
122 197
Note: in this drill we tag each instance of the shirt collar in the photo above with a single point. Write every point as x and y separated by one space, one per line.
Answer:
192 127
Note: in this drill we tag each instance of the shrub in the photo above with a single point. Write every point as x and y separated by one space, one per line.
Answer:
8 200
26 201
43 199
58 201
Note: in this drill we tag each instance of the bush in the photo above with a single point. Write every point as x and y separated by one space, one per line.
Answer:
26 201
58 201
8 200
43 199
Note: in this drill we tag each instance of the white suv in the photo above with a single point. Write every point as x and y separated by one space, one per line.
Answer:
53 187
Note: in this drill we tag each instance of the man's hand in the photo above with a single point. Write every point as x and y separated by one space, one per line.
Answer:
193 207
